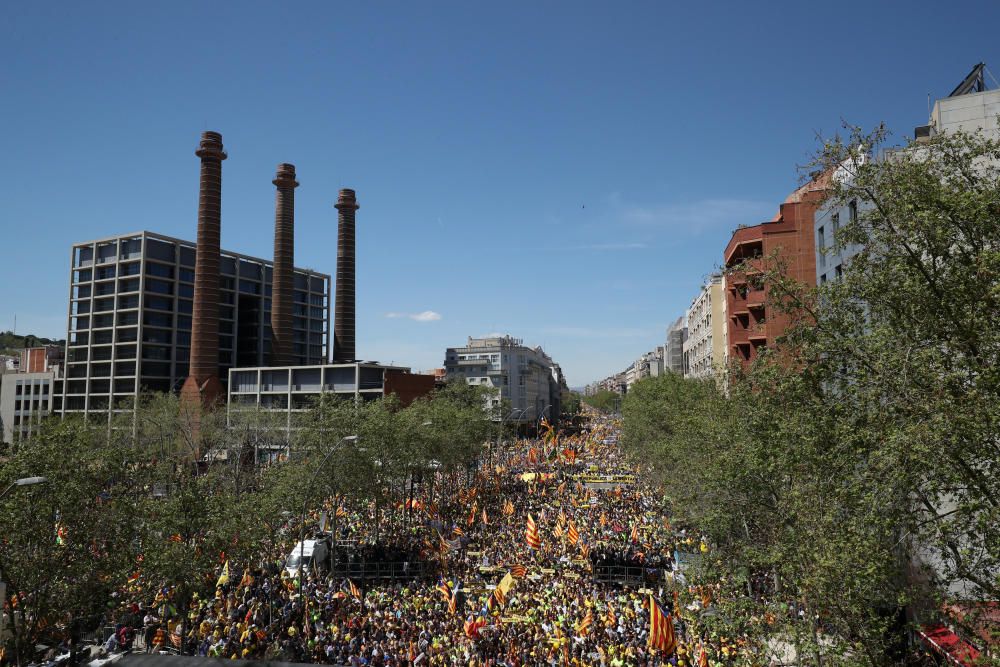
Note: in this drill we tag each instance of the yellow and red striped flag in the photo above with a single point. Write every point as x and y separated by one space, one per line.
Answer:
573 535
558 531
583 626
518 571
661 628
508 509
635 533
531 534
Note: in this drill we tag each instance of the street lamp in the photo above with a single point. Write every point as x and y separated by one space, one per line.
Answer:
305 504
24 481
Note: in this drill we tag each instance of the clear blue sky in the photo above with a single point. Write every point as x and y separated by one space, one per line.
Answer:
565 172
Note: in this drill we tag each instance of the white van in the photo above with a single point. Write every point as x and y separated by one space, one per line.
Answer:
312 552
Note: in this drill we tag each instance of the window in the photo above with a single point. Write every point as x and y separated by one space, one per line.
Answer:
160 250
159 286
839 271
159 303
81 291
821 245
853 210
105 272
130 285
158 319
159 270
102 305
126 302
130 269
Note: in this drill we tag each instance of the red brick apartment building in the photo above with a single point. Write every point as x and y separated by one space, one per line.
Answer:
788 238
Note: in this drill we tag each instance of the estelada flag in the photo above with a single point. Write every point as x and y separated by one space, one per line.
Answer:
453 600
661 628
531 534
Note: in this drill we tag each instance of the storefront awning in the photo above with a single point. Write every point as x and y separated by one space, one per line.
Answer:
949 645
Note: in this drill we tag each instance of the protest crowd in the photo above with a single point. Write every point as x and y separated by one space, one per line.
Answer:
553 553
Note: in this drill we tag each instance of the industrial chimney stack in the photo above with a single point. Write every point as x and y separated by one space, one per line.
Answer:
284 261
343 326
202 386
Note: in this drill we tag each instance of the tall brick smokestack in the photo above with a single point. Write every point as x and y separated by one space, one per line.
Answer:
343 326
284 260
202 386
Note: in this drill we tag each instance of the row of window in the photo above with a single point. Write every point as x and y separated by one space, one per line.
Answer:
85 270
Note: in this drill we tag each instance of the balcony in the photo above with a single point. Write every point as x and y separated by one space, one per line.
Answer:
738 335
746 242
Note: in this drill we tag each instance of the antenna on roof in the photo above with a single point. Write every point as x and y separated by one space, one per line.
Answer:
973 83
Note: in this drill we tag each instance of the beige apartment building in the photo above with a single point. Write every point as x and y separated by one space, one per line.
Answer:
705 347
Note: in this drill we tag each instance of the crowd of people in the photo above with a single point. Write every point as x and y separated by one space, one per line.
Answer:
495 598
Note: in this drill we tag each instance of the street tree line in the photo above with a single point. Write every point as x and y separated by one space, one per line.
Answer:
160 497
850 478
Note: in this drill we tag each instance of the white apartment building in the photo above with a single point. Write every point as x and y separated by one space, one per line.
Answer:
705 347
969 108
525 377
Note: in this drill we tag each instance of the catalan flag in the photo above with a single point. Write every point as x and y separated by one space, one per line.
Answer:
702 656
585 550
661 628
573 535
604 519
472 514
351 589
583 626
444 588
635 534
610 618
472 625
508 508
518 571
486 519
531 534
558 531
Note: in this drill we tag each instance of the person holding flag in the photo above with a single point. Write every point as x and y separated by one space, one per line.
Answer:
661 628
531 534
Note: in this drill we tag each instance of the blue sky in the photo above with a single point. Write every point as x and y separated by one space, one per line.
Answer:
564 172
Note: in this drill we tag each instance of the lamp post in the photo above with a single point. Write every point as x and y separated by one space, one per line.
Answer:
409 503
24 481
502 423
305 504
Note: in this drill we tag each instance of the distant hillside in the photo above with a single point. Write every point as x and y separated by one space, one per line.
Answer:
11 343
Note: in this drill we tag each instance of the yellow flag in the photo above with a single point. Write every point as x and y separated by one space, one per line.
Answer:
224 577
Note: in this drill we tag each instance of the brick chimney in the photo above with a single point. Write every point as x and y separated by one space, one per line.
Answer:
284 260
202 386
343 326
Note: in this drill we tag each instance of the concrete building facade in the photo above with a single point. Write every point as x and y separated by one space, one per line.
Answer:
525 377
677 334
705 348
25 400
130 318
